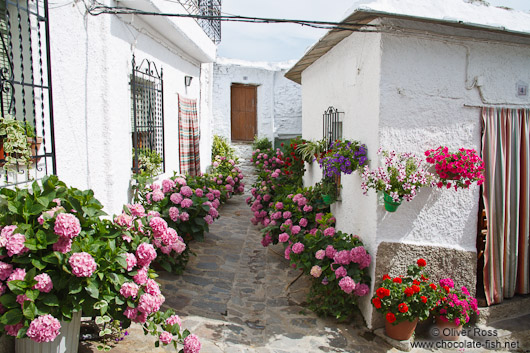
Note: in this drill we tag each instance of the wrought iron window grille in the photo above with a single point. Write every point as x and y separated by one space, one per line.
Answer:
26 87
147 97
212 27
332 125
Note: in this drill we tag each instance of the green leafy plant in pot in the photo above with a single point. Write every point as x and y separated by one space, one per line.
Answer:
15 142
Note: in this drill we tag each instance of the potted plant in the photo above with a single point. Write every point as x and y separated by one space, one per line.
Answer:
329 189
400 178
458 169
453 309
18 142
405 300
59 259
312 150
146 161
343 157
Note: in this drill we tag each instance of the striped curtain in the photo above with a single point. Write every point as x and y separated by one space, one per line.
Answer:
189 137
506 153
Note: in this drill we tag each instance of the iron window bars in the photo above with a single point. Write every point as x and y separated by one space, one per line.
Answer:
26 84
147 96
332 126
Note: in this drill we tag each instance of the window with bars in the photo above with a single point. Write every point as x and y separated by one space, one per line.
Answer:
332 125
25 92
147 118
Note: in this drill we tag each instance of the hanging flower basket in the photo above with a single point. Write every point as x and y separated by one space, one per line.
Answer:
402 331
66 342
390 204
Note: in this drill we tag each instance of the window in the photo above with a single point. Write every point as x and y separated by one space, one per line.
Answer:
147 118
332 125
25 90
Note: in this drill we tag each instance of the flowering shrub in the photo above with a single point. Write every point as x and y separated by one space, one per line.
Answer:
456 305
401 176
459 169
406 298
59 257
343 157
225 172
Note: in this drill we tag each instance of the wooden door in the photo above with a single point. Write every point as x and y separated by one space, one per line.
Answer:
243 116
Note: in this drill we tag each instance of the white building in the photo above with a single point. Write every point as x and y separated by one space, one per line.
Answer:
91 70
254 98
413 75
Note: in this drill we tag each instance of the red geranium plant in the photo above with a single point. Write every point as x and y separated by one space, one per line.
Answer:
406 298
458 169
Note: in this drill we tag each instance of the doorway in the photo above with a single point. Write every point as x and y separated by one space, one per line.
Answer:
243 112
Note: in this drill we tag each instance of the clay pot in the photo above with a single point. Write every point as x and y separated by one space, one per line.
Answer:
402 331
449 331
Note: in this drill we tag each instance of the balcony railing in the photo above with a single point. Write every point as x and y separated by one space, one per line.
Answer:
212 27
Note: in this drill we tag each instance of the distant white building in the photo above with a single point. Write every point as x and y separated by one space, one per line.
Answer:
414 75
95 109
254 98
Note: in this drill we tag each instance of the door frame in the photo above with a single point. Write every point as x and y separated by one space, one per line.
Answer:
255 87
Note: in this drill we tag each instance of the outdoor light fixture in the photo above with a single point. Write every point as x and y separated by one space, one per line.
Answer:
187 80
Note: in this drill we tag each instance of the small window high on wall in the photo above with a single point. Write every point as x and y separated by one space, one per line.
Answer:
332 125
147 118
27 147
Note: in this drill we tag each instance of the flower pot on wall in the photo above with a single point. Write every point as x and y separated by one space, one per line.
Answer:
327 199
35 144
449 331
66 342
402 331
390 204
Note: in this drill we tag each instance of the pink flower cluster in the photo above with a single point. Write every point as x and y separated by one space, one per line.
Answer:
459 169
67 227
13 242
192 344
44 284
44 329
82 264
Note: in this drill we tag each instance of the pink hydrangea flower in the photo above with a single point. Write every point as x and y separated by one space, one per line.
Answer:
347 284
152 287
124 220
157 196
295 229
63 245
44 283
330 251
129 289
279 205
3 288
287 215
316 271
18 274
131 261
141 277
184 216
82 264
358 254
298 248
192 344
303 222
167 185
361 290
329 232
44 329
6 233
208 219
15 244
181 181
186 191
170 236
149 304
176 198
174 213
130 313
67 225
213 212
365 262
287 253
340 272
266 240
308 208
158 225
178 246
174 319
343 257
5 270
283 237
136 209
186 203
320 254
145 253
12 330
199 192
21 298
166 337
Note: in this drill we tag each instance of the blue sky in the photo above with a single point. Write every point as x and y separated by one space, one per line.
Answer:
282 42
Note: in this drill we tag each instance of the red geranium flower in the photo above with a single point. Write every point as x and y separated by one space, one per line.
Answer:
397 280
377 302
409 291
422 262
386 277
423 299
416 288
446 289
382 292
423 278
433 286
390 317
403 308
416 282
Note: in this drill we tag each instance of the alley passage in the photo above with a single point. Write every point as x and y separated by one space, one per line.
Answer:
234 296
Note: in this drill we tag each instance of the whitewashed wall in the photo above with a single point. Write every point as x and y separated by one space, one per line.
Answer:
91 63
279 107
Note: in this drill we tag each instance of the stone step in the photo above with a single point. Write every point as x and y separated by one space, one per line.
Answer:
512 334
510 308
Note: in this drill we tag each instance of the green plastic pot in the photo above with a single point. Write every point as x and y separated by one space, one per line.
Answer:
327 199
390 204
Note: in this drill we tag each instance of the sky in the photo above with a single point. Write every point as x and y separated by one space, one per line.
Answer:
283 42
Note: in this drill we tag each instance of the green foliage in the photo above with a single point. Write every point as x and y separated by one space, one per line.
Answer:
149 162
221 147
261 143
311 150
14 135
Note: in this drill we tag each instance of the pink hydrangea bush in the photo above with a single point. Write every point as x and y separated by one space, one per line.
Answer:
225 172
456 169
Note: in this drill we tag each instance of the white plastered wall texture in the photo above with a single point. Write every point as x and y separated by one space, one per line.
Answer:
91 68
279 107
407 92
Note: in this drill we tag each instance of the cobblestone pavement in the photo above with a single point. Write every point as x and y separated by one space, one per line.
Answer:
233 295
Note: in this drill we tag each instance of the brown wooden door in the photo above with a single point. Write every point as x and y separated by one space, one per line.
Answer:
243 103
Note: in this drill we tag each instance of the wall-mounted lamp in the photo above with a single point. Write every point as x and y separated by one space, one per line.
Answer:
187 80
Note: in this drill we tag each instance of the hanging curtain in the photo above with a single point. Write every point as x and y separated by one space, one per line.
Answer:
506 153
189 137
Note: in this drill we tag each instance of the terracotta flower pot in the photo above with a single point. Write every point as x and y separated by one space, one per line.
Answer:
402 331
449 331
